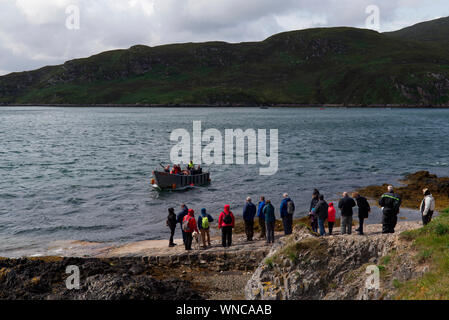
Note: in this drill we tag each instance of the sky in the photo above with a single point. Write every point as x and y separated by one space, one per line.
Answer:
36 33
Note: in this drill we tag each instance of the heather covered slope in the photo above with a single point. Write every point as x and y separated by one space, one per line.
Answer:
314 66
434 31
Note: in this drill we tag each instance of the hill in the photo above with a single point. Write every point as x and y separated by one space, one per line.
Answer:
435 31
314 66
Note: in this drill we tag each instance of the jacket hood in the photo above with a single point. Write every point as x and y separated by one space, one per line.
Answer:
227 208
191 213
203 212
331 204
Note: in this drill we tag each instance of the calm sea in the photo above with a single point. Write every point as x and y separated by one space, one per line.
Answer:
84 173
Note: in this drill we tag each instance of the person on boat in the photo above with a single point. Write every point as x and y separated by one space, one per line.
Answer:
390 203
427 207
287 212
364 210
189 226
322 211
190 166
167 169
312 215
261 217
176 169
171 223
270 221
226 222
331 217
345 205
204 221
180 217
199 170
249 212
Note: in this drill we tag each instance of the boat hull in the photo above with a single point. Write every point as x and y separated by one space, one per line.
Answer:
164 180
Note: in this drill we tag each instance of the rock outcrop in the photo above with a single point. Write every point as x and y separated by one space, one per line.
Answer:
304 266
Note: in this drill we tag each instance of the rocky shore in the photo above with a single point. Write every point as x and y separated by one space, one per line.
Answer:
304 266
411 190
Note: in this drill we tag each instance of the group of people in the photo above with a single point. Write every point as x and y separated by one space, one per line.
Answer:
320 212
189 170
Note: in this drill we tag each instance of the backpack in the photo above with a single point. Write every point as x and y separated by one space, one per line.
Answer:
205 223
290 207
186 225
227 219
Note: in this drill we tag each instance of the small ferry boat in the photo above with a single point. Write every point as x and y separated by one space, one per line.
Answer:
168 181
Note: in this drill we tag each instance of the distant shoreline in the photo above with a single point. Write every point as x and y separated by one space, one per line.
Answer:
231 105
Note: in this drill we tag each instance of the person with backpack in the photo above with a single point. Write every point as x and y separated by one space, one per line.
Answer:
364 210
180 217
171 223
331 212
189 226
345 205
321 210
287 212
249 212
261 217
427 207
390 203
226 222
312 215
270 221
204 221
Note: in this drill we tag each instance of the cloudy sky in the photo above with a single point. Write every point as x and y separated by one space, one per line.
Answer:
35 33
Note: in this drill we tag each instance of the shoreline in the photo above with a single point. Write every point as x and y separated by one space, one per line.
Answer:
230 105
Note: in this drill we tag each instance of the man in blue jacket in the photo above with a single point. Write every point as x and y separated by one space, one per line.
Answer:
261 217
287 212
249 212
180 218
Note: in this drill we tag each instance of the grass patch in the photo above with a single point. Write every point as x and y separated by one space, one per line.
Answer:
432 243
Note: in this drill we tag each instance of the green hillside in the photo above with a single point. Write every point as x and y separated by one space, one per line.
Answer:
314 66
436 31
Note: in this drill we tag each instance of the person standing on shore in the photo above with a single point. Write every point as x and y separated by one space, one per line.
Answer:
261 217
390 203
249 212
427 207
171 223
189 226
204 221
270 221
312 215
345 205
287 212
184 212
321 210
226 223
364 210
331 217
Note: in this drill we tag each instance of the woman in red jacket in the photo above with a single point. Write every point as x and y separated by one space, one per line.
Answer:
189 226
331 217
226 223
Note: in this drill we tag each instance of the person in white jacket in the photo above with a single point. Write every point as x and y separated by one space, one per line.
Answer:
427 207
